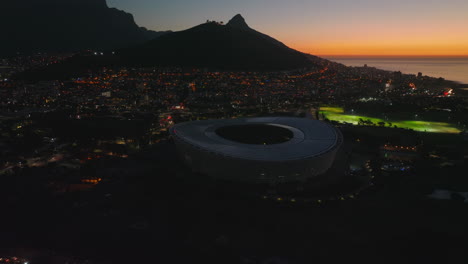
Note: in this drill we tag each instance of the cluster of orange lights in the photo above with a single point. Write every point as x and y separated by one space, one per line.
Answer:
390 147
322 71
95 157
117 155
92 181
13 260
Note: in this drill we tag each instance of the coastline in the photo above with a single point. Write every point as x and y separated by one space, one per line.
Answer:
454 69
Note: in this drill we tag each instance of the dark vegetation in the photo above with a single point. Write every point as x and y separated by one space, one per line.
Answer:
66 26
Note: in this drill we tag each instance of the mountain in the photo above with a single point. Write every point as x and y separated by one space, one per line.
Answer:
212 45
239 22
66 25
234 46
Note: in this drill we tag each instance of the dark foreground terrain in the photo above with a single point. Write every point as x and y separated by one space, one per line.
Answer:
151 209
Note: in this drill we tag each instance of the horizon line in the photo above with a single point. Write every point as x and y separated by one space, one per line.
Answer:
392 56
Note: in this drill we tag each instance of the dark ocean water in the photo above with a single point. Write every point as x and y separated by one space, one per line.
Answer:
454 69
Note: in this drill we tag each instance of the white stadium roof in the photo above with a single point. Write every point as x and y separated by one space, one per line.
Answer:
310 138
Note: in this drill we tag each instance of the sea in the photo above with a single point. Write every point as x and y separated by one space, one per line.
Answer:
449 68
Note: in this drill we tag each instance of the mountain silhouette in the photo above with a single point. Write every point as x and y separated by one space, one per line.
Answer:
234 46
66 25
212 45
238 22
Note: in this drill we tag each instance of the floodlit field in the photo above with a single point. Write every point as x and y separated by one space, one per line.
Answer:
337 114
335 110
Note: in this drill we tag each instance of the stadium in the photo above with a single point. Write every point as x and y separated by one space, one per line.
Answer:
258 150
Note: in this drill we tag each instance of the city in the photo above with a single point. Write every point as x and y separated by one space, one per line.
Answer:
89 134
97 166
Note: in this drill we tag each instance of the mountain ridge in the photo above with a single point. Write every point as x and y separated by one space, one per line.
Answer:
238 21
214 45
67 26
210 46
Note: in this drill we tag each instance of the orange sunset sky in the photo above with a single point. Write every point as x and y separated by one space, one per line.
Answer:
331 27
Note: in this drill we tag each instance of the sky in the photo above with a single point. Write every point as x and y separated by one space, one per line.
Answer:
326 27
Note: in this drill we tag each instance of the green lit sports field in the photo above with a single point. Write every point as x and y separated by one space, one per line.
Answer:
337 114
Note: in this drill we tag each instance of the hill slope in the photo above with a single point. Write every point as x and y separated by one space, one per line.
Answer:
233 46
66 25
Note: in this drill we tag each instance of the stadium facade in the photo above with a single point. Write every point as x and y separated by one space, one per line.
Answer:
258 150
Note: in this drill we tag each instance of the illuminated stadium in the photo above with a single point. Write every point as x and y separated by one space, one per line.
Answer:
258 150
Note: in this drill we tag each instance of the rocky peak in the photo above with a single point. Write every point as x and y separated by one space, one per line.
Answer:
238 22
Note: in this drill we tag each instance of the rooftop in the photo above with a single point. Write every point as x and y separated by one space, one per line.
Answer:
244 138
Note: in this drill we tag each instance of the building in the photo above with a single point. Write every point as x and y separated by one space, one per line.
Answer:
258 150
